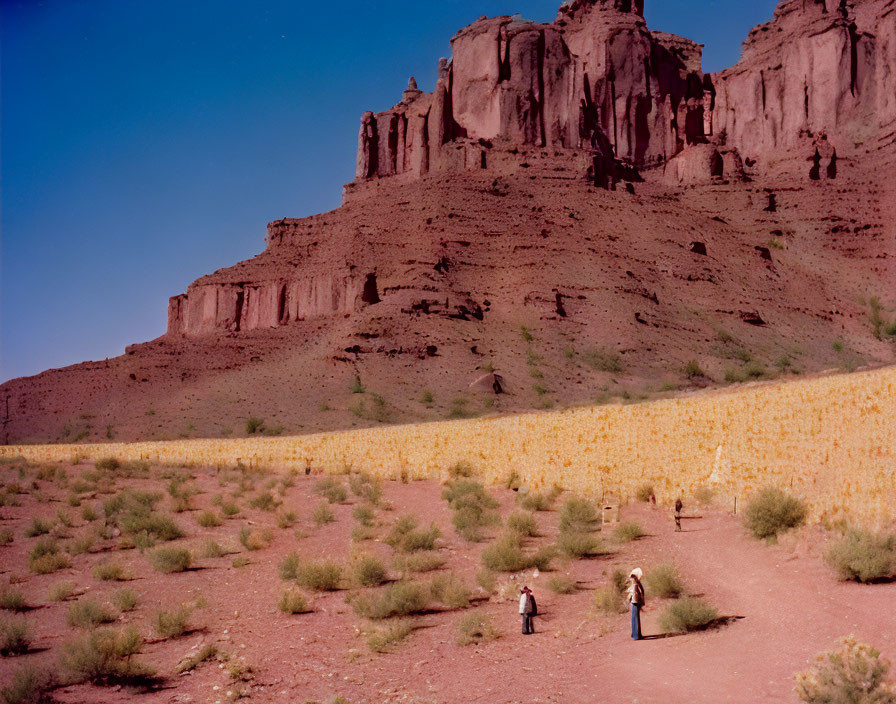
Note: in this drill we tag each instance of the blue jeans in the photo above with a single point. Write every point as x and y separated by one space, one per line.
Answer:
636 622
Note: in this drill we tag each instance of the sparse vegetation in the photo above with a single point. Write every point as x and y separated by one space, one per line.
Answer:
319 575
12 600
406 537
38 526
29 685
522 523
854 673
174 623
771 512
169 559
561 584
864 556
628 531
322 514
381 639
254 425
15 636
473 507
368 571
46 557
685 615
692 370
254 539
644 492
579 544
450 591
125 599
61 591
191 662
209 519
536 501
110 571
663 581
89 613
476 627
398 599
418 562
604 360
609 599
105 656
211 549
293 602
578 515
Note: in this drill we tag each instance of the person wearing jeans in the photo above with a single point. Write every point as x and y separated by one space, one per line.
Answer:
635 595
527 608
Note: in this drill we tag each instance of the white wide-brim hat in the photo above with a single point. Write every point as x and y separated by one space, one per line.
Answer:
636 573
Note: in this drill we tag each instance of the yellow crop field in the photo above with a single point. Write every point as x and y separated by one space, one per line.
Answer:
829 440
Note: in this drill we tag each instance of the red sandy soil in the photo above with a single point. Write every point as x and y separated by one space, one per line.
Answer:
788 603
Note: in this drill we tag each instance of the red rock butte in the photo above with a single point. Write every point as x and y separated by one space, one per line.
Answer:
584 179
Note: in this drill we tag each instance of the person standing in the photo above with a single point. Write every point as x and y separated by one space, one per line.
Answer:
527 610
635 596
678 507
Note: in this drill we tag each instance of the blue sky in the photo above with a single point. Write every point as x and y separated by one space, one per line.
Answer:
144 144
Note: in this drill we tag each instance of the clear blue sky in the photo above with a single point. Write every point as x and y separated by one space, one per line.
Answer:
146 143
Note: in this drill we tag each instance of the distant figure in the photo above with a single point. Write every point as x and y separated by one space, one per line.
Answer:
635 594
528 609
832 166
815 171
678 507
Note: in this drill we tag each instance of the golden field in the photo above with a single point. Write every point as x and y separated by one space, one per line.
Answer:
828 439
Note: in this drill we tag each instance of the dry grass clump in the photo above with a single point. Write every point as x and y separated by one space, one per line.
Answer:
382 639
368 571
864 556
209 519
578 515
15 636
610 598
46 557
450 591
38 526
476 628
288 568
110 571
6 536
12 600
663 581
332 490
406 537
364 514
169 559
211 549
538 501
487 580
134 512
579 544
506 555
704 495
854 673
319 575
366 487
286 519
522 523
264 501
61 591
293 602
685 615
771 512
322 514
562 584
89 613
29 685
125 599
174 623
105 656
644 492
398 599
628 531
254 539
418 562
473 507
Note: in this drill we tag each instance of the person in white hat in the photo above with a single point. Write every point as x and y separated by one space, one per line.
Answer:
527 610
635 594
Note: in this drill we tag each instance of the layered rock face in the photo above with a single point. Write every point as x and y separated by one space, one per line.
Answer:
596 78
821 73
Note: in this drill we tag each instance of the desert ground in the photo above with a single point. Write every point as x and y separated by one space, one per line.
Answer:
777 604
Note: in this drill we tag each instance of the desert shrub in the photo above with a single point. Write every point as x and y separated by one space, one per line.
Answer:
505 554
319 575
476 628
450 591
538 501
332 490
609 600
38 526
170 559
105 656
124 599
110 571
644 492
364 514
134 468
46 557
461 469
368 571
578 515
89 613
522 523
628 531
418 562
293 602
579 544
288 567
12 600
172 624
854 673
487 579
541 559
692 369
230 508
29 685
254 539
406 537
771 511
6 536
107 464
397 599
704 495
366 487
473 508
382 638
286 519
240 561
209 519
361 533
82 544
88 513
322 514
254 425
15 636
864 556
561 584
135 514
61 591
664 581
264 501
689 614
211 549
